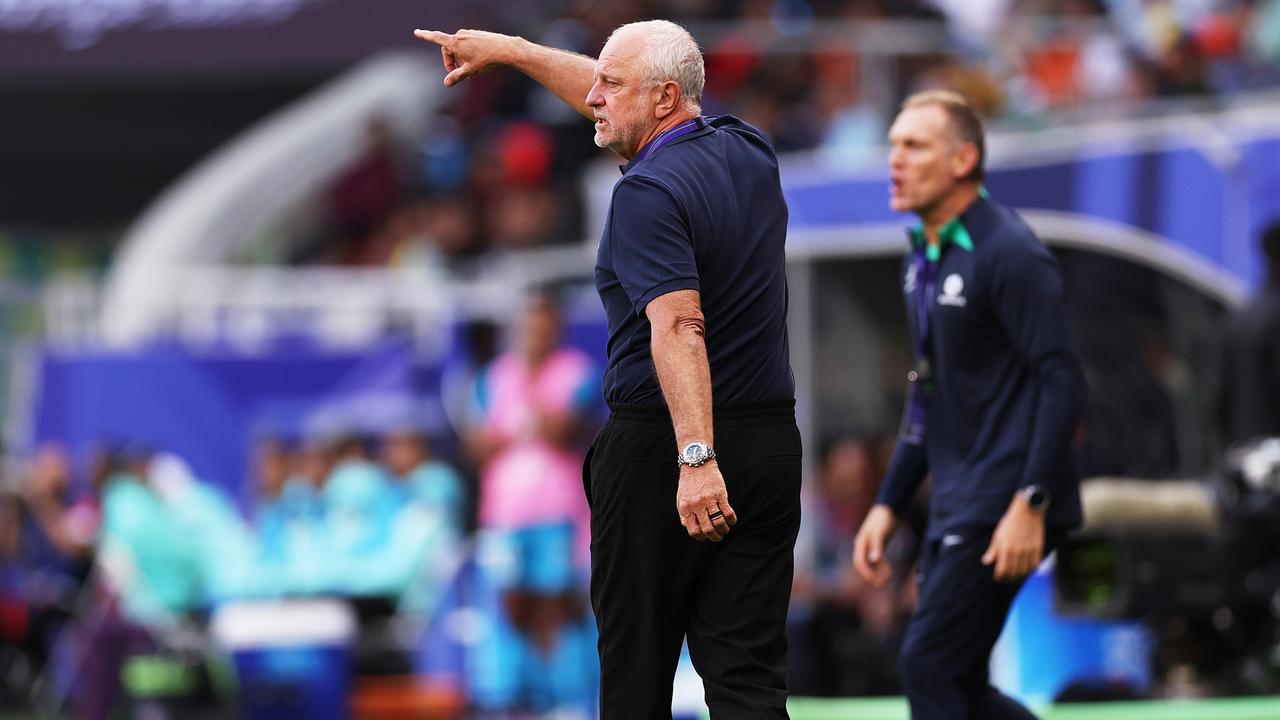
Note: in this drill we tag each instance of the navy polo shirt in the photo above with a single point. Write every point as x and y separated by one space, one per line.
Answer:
1007 387
703 212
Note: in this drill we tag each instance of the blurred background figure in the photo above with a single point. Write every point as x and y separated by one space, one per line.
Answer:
294 549
47 538
536 401
426 480
149 563
364 196
431 523
151 579
845 632
224 549
360 507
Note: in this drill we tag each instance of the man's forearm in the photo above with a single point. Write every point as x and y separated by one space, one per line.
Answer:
568 75
680 358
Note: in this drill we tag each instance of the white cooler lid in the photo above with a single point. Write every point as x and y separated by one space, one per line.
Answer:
283 623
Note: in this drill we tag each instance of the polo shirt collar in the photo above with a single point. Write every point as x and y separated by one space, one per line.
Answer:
703 130
952 232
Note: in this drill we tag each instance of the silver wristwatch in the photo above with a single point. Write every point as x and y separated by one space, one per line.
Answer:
696 454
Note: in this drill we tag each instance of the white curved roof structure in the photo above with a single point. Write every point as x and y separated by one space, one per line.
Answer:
232 197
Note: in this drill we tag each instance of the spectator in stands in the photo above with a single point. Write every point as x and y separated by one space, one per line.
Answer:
429 525
14 682
360 510
51 546
150 578
536 402
294 552
425 479
223 548
149 562
1262 31
10 510
454 228
853 127
69 526
461 382
1182 69
366 191
850 629
1249 395
272 465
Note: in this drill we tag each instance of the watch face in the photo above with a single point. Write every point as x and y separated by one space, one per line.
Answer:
695 453
1037 498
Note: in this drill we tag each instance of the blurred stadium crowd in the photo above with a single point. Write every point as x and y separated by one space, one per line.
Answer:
500 168
123 559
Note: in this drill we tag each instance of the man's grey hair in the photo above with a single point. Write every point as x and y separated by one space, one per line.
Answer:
671 53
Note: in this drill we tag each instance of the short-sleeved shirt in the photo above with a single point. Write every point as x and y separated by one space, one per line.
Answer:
705 212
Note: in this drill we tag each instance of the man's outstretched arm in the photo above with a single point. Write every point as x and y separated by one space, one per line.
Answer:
471 52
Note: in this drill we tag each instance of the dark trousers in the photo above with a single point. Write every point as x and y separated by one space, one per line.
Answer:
652 585
947 649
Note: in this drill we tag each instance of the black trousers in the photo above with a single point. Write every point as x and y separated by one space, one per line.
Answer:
947 649
652 585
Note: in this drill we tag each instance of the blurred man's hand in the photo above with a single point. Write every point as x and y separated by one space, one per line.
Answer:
1017 546
868 546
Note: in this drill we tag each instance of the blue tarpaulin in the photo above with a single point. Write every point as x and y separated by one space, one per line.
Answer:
209 407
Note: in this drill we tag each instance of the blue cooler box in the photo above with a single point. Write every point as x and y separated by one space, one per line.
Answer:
292 658
1040 653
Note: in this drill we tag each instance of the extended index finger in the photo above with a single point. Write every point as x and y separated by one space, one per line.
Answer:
440 38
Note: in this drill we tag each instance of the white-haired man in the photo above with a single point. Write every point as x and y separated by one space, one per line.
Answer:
692 275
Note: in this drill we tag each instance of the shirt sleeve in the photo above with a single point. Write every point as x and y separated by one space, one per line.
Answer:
910 462
650 242
907 469
1028 298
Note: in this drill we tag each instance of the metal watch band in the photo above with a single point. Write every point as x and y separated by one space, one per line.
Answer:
710 454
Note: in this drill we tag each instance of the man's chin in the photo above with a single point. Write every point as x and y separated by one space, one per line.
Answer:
608 143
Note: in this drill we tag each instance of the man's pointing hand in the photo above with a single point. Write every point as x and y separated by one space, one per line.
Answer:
469 52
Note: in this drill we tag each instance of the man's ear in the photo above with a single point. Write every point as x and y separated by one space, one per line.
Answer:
964 161
669 96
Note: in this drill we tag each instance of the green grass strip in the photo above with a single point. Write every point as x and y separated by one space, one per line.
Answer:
1247 708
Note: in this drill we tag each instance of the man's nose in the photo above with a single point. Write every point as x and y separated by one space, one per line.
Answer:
595 98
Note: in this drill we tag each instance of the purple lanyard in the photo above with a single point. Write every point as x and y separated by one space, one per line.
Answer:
667 136
926 273
915 419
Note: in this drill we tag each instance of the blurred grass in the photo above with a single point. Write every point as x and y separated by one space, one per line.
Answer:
1250 708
